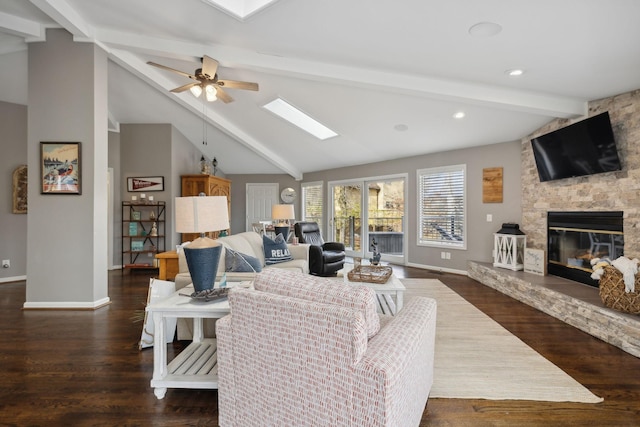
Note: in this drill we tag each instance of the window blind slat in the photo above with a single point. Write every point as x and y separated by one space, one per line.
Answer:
312 205
441 206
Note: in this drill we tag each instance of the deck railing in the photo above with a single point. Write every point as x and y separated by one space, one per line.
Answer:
388 232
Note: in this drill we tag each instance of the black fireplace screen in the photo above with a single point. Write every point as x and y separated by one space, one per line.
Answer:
575 238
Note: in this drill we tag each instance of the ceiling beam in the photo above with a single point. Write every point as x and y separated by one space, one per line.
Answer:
156 79
25 28
61 12
66 16
434 88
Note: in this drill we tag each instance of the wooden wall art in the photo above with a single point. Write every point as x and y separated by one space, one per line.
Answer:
492 185
20 190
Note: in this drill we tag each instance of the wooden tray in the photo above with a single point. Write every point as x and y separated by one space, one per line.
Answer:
370 274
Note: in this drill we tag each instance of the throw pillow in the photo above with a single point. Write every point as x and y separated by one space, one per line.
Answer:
238 262
275 250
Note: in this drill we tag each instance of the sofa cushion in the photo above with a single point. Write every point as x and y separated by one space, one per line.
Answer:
238 262
323 290
275 250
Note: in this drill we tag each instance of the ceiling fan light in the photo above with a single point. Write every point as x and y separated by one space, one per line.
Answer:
196 91
210 91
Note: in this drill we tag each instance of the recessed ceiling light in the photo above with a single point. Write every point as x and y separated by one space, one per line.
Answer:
485 29
516 72
459 115
286 111
401 127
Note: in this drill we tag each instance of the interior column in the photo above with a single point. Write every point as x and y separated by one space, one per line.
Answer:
67 233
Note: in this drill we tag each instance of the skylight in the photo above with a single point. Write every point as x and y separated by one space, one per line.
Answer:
294 116
240 9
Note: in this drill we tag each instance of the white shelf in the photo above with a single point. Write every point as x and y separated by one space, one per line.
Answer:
195 367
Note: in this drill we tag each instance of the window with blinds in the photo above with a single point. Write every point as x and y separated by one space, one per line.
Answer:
312 206
442 206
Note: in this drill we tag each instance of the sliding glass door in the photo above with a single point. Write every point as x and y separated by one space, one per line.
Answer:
370 211
346 223
386 218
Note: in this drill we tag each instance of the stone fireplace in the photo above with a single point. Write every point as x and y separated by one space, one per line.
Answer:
575 238
613 191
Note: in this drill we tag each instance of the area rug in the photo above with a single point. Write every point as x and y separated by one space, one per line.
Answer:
476 358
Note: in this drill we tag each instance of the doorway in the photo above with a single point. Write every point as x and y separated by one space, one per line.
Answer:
368 211
260 198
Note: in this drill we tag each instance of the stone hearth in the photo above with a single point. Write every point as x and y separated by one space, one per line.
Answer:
574 303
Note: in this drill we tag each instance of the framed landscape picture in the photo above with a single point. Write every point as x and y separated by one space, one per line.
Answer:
60 168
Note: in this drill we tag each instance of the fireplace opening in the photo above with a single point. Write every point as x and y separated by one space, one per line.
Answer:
575 238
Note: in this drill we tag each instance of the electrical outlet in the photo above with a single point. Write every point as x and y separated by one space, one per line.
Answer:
6 263
489 218
448 255
443 255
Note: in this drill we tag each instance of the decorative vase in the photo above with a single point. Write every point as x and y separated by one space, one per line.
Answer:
375 260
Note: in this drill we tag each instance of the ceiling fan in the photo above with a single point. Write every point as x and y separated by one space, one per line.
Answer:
207 81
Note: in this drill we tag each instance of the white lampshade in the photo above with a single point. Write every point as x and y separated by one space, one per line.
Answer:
211 93
282 212
196 90
200 214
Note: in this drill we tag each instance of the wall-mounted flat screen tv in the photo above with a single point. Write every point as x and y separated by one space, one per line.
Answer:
583 148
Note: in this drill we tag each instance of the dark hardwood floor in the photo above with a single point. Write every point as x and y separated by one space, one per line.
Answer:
83 368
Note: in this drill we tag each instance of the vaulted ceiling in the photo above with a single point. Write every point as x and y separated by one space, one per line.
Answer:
387 76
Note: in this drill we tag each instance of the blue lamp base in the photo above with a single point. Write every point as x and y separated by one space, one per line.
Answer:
203 266
282 230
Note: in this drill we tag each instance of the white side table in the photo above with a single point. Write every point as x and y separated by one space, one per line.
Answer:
197 365
390 295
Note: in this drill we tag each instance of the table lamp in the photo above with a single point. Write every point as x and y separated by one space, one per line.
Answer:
200 214
282 214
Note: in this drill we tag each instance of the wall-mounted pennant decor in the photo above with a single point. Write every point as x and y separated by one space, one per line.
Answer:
60 168
146 183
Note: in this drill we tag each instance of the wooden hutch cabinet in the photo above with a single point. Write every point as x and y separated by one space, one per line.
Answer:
193 185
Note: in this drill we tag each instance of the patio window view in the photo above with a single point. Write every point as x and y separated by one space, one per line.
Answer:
381 208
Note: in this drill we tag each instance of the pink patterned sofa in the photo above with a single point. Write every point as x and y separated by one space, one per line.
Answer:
306 351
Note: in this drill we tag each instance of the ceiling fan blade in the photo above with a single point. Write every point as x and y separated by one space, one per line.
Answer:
209 67
223 96
233 84
184 87
164 67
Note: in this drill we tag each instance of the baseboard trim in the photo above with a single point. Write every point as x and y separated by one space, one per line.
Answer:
438 269
67 305
12 279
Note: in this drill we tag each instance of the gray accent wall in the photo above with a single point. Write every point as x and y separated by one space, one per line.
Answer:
13 227
66 234
154 150
239 195
479 233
